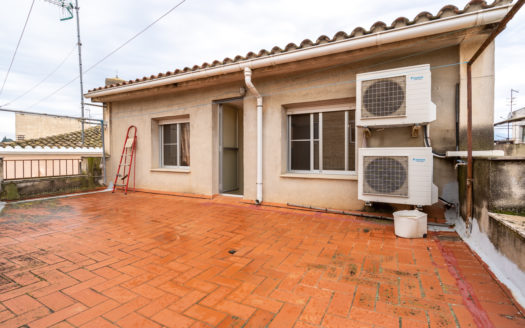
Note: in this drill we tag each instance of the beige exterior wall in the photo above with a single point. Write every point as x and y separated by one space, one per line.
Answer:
333 191
483 80
38 126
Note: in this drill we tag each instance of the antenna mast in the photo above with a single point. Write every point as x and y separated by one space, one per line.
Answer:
67 10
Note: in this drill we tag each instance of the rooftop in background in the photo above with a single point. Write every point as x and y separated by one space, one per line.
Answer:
65 140
376 28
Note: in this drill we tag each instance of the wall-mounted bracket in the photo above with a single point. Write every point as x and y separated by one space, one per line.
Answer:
367 132
415 131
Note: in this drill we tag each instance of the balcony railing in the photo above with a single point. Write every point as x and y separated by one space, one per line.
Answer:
40 168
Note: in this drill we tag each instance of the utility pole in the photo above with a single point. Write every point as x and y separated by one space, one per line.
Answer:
512 98
67 9
79 44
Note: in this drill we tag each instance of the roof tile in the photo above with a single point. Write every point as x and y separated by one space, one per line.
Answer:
446 11
92 139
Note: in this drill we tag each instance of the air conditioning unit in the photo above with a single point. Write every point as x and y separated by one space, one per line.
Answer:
397 176
395 97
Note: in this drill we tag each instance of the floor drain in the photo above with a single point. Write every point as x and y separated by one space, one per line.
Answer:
448 237
232 251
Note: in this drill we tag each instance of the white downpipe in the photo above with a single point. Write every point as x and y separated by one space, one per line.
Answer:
251 87
442 25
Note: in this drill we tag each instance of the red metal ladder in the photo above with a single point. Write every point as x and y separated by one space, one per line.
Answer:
129 157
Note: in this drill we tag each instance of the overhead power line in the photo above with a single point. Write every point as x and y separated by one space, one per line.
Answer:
17 45
111 53
45 78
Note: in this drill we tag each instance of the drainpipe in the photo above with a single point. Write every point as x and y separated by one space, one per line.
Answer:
501 26
251 87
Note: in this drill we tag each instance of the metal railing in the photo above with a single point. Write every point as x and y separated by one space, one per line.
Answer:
40 168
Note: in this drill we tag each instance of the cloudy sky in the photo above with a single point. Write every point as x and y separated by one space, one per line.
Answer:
198 31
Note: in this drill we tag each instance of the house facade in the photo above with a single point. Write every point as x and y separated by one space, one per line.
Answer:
280 125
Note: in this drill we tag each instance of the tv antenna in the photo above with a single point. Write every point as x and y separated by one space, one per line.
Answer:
67 14
512 98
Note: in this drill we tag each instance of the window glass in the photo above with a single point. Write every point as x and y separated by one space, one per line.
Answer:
300 155
170 155
300 126
170 133
175 146
330 132
334 140
351 140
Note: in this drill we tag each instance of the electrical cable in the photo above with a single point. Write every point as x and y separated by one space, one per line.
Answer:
304 74
17 45
111 53
427 143
44 79
265 94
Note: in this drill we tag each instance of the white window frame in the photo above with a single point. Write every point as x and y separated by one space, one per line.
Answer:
348 138
178 122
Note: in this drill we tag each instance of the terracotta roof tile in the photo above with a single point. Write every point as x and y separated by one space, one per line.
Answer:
446 11
92 139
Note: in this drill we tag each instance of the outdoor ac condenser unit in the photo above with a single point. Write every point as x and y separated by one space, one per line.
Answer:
396 175
395 97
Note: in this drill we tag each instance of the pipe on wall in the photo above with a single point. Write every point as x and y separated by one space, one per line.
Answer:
501 26
251 87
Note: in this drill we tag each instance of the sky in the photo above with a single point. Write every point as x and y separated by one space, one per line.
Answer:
196 32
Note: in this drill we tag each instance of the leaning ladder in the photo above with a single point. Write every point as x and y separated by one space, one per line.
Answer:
127 159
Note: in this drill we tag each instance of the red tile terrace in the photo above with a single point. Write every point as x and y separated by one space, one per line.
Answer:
144 260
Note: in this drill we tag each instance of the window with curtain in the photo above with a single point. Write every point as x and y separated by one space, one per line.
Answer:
175 145
321 141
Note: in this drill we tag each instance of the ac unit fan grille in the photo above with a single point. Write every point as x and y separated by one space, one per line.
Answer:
383 97
386 175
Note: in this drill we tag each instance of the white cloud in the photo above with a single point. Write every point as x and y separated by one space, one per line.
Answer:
198 31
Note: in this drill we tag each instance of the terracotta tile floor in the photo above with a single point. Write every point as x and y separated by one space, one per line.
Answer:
143 260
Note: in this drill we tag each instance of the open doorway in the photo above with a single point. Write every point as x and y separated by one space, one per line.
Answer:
230 148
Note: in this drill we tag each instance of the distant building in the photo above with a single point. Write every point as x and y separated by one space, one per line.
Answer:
516 121
55 155
518 127
37 126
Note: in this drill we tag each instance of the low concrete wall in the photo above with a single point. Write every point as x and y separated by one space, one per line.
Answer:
499 186
511 149
37 187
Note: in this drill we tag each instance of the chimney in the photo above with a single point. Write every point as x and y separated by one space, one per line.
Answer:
113 80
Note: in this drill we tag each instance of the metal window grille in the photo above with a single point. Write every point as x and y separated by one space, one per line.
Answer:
386 175
384 97
308 148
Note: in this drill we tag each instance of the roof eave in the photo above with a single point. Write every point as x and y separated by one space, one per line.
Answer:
433 27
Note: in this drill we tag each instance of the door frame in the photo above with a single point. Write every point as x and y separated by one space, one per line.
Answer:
221 148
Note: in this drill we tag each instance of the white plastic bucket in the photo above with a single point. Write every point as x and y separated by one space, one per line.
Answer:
410 224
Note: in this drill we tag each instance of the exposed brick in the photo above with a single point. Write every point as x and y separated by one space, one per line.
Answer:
205 314
287 316
22 304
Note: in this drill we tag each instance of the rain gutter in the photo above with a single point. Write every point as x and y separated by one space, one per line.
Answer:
442 25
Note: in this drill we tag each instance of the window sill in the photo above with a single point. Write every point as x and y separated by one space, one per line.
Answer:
173 170
320 176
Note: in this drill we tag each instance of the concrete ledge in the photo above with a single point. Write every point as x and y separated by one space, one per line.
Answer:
513 222
507 233
45 186
171 170
319 176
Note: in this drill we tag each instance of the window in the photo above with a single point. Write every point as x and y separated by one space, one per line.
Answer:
174 144
321 141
